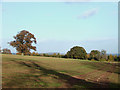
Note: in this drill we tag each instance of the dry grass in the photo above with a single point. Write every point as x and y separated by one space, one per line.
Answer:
48 72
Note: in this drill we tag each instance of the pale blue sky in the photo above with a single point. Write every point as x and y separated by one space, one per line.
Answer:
58 26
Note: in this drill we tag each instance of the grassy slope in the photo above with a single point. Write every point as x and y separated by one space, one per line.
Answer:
48 72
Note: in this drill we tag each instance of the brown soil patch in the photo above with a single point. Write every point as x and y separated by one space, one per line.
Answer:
101 79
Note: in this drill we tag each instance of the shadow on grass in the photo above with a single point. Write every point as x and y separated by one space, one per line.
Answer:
69 80
111 67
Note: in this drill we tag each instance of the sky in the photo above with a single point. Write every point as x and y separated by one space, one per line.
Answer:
60 0
58 26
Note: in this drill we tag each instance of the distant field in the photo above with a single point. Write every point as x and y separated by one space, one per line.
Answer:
48 72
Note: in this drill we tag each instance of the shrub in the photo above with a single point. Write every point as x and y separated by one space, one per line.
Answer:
102 59
110 58
103 55
115 58
93 60
88 56
119 58
18 53
35 54
6 51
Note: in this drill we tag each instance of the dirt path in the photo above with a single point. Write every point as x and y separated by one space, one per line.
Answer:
104 78
101 79
89 73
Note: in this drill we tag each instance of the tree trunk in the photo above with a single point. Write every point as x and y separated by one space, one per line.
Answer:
22 54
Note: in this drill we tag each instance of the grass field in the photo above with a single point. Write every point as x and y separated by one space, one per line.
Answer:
48 72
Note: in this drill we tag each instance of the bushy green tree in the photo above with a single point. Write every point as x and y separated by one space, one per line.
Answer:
95 54
77 53
103 55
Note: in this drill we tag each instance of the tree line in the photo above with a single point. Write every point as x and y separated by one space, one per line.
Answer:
5 51
95 55
23 44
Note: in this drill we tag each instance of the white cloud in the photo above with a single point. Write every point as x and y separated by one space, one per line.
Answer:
88 13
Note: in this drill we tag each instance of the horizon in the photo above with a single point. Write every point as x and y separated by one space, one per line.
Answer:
58 26
65 53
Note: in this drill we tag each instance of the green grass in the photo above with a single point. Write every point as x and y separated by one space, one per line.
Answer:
48 72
